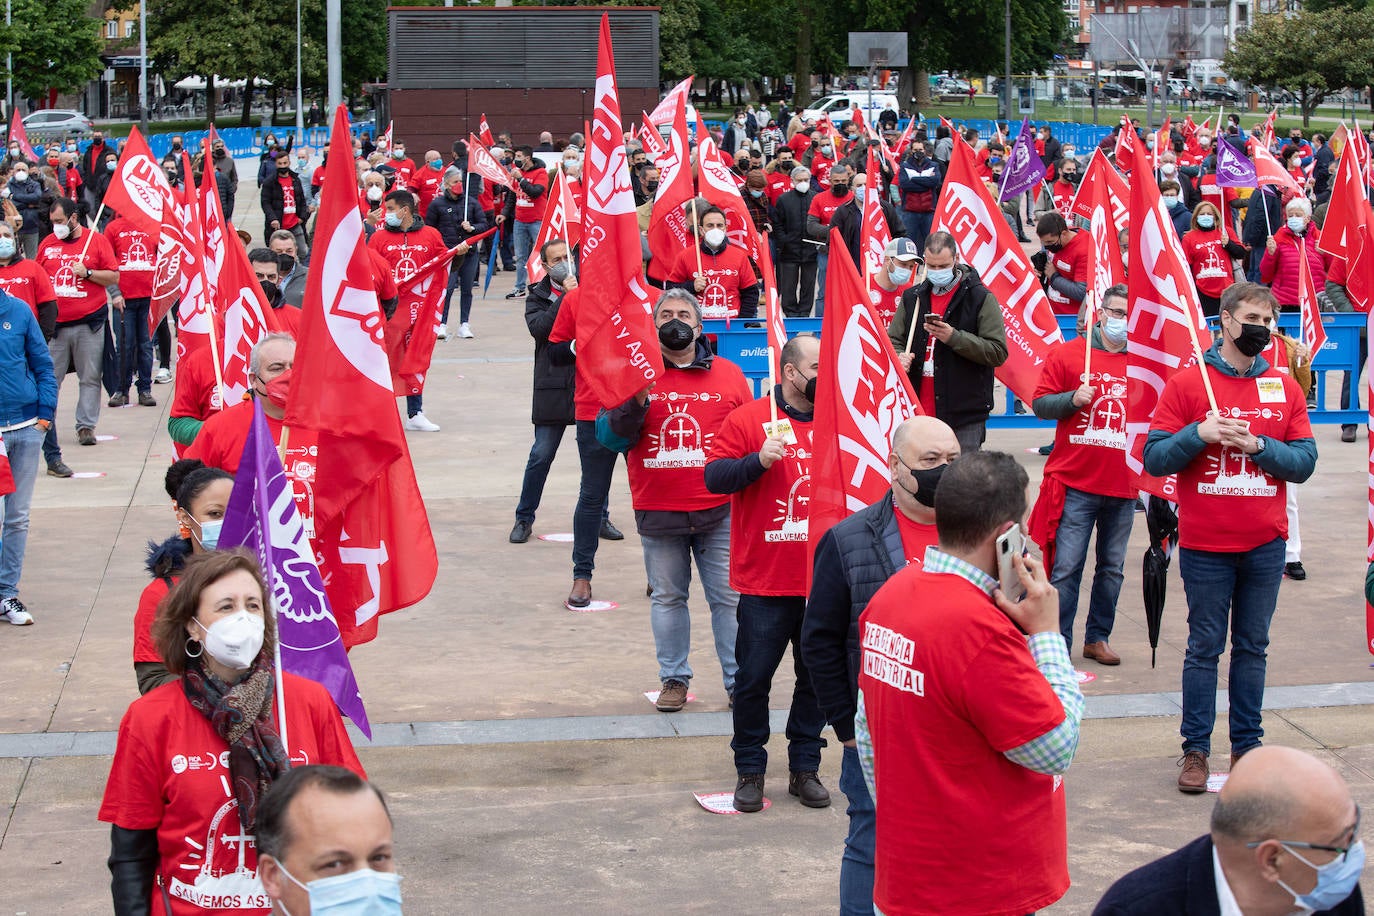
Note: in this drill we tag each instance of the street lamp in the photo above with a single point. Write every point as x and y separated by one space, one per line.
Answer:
300 113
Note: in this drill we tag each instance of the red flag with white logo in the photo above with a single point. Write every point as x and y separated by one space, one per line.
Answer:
862 396
1268 171
669 233
372 533
484 131
617 344
1101 173
717 184
172 259
139 188
1163 304
21 136
195 317
967 211
1312 332
1348 232
246 317
212 220
663 112
1267 131
1105 267
652 140
1126 144
562 220
481 161
874 234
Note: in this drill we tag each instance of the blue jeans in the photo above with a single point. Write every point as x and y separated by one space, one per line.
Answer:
856 868
668 563
822 259
546 442
1113 517
25 447
135 345
462 277
598 463
414 404
918 227
766 625
523 236
1243 587
1252 272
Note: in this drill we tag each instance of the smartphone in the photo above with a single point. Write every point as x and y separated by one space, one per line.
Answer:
1010 543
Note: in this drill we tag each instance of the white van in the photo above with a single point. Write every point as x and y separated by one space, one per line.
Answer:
838 106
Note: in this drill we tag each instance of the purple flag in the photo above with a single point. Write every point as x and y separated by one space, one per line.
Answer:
1024 169
1234 169
262 516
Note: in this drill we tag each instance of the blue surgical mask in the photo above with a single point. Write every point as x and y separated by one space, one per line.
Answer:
6 248
1335 880
899 275
1296 224
940 278
209 533
393 220
436 164
859 194
358 893
755 193
1206 222
1114 329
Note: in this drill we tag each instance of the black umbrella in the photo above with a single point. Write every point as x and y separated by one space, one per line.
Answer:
109 361
1161 516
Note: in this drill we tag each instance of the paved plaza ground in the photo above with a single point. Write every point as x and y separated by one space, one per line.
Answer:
526 769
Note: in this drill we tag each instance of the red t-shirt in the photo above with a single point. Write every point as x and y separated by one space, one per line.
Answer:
949 686
1219 197
820 173
137 255
405 172
1276 355
939 304
585 404
145 650
289 219
726 274
1063 193
1208 261
23 279
1226 503
980 163
1072 263
170 775
527 210
77 297
220 441
428 183
768 518
798 144
686 408
405 253
1090 446
916 537
885 302
778 184
823 206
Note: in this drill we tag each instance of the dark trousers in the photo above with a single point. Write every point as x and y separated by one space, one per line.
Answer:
164 344
598 464
547 438
135 345
462 277
918 227
767 624
797 287
507 247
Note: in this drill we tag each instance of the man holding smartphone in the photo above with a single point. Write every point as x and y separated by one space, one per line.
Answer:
968 712
958 340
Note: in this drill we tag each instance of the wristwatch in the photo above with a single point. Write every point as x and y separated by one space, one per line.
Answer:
1259 444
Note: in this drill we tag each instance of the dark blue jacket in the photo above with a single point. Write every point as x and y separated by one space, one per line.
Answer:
27 196
28 388
446 214
1183 883
853 560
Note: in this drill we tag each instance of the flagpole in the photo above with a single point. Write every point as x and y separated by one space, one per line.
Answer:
1088 311
281 688
96 222
772 393
696 238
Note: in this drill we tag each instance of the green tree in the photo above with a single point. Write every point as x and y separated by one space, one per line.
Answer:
56 46
1309 54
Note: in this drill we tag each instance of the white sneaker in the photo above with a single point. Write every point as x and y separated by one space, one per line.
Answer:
162 377
421 424
443 332
13 610
465 332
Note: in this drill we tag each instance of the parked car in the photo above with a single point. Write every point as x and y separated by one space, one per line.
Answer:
838 106
1112 92
1215 92
54 122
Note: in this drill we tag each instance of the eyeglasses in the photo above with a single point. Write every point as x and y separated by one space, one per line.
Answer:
1114 313
1341 851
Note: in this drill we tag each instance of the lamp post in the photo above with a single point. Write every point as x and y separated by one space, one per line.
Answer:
142 65
300 113
9 65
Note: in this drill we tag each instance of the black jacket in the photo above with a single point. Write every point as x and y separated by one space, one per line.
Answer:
446 215
553 384
274 202
1322 161
963 367
1183 883
853 560
789 226
849 219
1258 227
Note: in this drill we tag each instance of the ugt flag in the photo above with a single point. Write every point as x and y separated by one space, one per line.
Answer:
262 516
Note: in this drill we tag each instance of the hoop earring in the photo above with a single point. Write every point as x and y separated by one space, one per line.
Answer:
199 648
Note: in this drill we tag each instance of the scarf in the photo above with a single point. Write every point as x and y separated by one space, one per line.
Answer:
242 715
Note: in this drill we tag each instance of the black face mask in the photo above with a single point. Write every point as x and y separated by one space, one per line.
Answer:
1253 339
271 292
285 264
675 335
927 482
1056 247
839 190
176 147
283 172
809 389
651 186
1071 177
218 154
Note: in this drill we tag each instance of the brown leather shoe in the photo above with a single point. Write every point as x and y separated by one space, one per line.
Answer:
1235 758
1193 779
1101 653
581 594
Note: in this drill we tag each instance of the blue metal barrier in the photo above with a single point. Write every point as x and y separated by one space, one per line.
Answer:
745 343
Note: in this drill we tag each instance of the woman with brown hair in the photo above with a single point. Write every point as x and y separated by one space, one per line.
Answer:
1210 250
195 756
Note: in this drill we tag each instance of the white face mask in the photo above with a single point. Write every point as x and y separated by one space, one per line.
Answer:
374 193
715 237
61 230
802 187
234 641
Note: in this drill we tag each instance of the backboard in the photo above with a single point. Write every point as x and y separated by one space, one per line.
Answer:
877 49
1159 34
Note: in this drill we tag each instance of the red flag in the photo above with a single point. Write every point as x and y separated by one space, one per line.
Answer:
484 131
1101 173
139 189
1163 304
6 474
617 343
862 396
777 328
967 211
212 219
17 132
1348 232
1126 144
652 141
668 231
373 536
874 235
1268 170
481 161
195 317
1360 144
172 258
246 318
1161 143
1267 131
905 139
562 220
1105 266
856 116
717 184
663 113
1313 334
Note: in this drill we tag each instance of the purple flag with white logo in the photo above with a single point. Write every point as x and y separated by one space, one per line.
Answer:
1234 169
262 516
1024 169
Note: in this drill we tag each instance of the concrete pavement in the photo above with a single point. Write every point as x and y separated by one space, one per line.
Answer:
527 770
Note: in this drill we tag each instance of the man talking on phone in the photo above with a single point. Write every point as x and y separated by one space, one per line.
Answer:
958 340
968 711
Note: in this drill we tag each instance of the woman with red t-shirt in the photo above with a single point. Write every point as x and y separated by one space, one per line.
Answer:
24 279
199 496
1209 251
195 757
